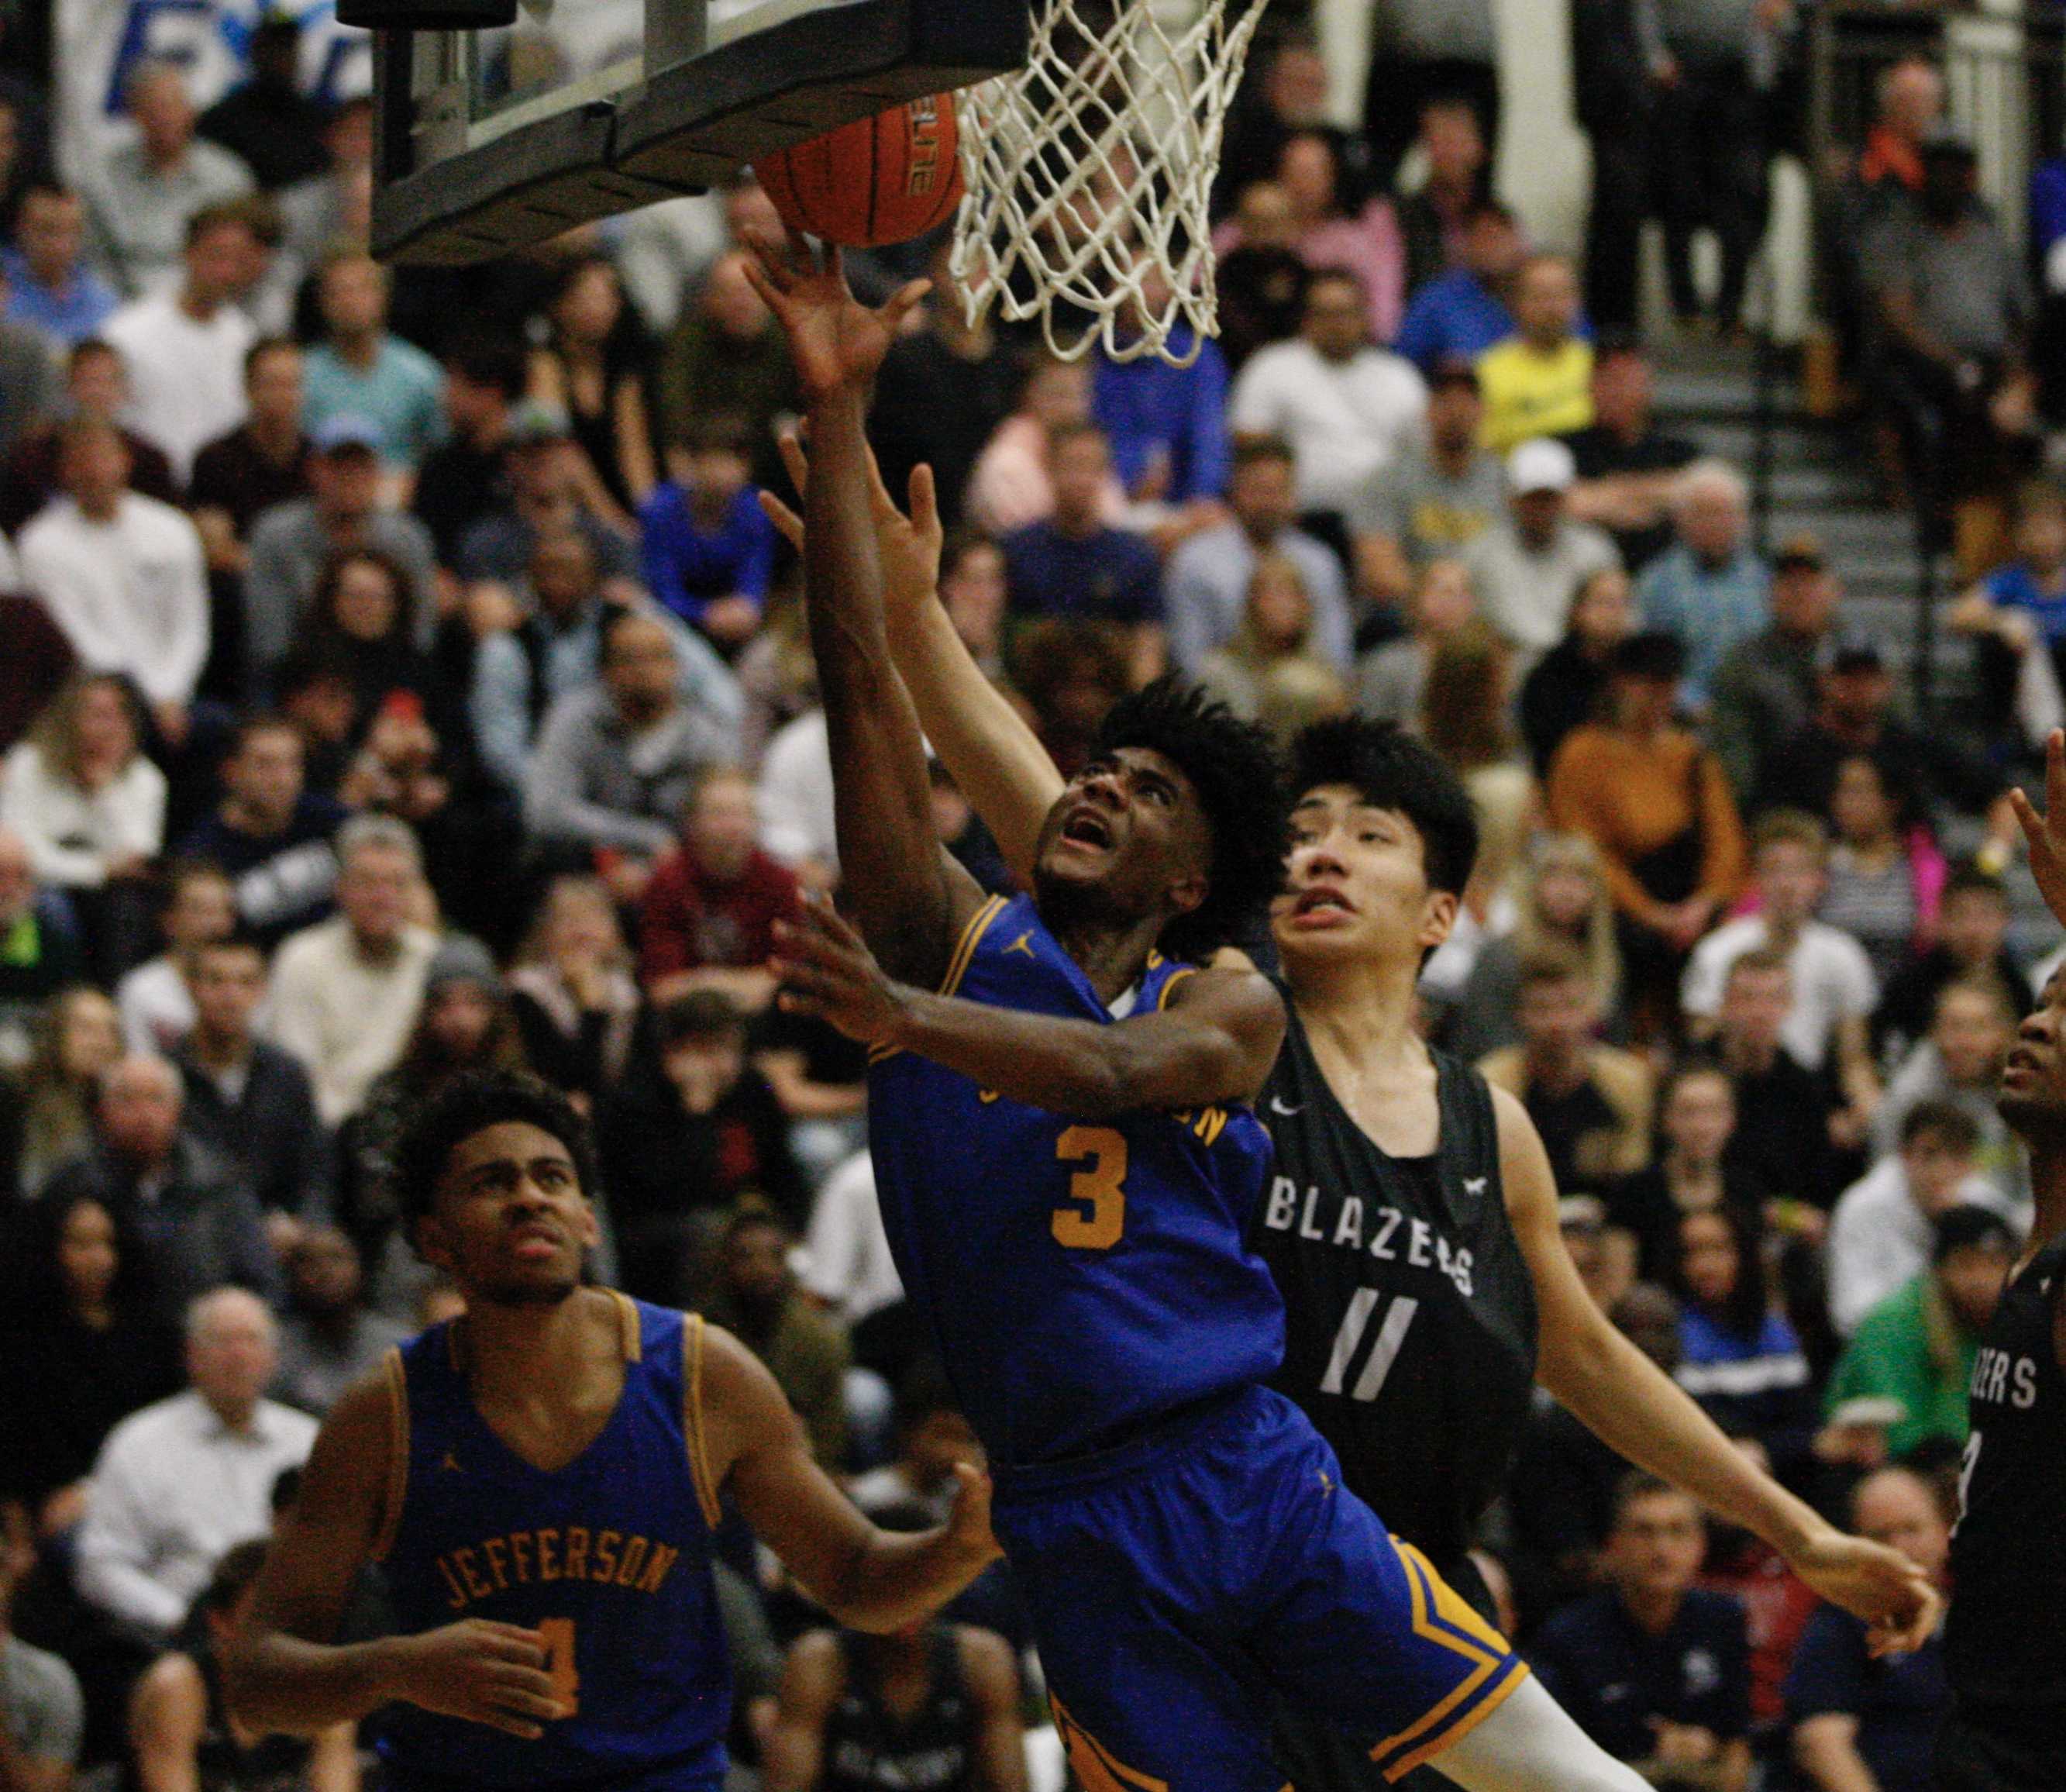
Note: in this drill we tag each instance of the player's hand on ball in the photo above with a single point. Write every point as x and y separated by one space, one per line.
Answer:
484 1671
1874 1582
825 969
835 342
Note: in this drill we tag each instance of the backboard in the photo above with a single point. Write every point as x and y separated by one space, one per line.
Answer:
488 140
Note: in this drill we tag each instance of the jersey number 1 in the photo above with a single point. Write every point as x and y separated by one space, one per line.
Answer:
559 1636
1103 1153
1383 1353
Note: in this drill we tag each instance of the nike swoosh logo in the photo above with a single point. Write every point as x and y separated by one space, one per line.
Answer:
1276 1106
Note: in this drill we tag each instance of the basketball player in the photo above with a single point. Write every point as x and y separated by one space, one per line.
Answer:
540 1481
2004 1645
1411 1223
1068 1164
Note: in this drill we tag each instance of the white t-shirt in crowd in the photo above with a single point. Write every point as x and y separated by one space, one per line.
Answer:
1832 981
186 376
1346 421
846 1261
795 795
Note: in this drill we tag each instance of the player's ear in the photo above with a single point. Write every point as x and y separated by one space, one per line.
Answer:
1186 893
1438 916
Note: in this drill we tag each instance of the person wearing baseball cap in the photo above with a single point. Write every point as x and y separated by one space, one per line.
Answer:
1528 567
1440 496
1765 687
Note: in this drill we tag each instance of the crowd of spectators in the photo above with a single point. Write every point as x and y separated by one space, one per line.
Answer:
395 687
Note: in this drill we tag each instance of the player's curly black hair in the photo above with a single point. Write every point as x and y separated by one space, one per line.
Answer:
1235 769
1393 770
470 1103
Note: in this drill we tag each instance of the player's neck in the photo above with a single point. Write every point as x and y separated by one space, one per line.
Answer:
1113 957
505 1346
1365 1005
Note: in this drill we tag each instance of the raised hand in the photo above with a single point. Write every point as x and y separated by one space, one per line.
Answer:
907 545
825 969
2047 832
835 342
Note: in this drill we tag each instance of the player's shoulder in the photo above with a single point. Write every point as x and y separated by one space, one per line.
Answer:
987 1659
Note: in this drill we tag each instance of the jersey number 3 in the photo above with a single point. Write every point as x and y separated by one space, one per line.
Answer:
1383 1352
559 1638
1096 1224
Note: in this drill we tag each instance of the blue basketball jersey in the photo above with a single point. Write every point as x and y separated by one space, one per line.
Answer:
610 1557
1082 1279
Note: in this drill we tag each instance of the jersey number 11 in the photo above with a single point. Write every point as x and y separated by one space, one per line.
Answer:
1383 1352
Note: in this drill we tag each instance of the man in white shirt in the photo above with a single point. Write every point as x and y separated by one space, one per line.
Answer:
185 347
1346 408
1528 567
345 991
182 1481
1882 1231
122 575
794 798
846 1261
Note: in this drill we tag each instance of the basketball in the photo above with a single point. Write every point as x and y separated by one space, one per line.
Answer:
880 180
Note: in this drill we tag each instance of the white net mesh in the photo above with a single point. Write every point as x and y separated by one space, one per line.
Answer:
1089 172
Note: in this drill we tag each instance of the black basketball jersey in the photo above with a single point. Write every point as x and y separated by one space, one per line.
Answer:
1410 1313
2005 1642
868 1749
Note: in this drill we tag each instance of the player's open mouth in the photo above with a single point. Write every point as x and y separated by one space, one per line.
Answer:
536 1241
1086 828
1321 899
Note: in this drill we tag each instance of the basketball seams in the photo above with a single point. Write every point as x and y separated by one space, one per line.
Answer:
855 185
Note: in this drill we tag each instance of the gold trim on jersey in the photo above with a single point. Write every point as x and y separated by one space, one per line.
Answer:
397 1452
1176 977
1479 1644
627 1325
978 924
692 1419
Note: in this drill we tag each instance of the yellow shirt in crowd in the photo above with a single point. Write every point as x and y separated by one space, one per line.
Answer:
1527 393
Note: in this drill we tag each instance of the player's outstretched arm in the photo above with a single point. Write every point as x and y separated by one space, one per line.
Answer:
912 901
1630 1404
867 1578
2047 832
282 1673
1214 1042
984 744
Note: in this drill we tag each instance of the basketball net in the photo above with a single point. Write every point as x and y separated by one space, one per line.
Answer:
1088 173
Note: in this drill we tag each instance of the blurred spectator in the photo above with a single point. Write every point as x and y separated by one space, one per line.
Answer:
1832 986
708 913
1206 582
345 991
266 121
1422 50
664 252
271 834
332 204
578 1011
34 670
1880 1233
1971 941
1528 568
590 366
1626 463
1285 89
153 1000
1708 151
848 1267
1885 873
1348 409
756 1299
292 543
181 1726
1262 283
704 1133
77 1039
708 548
727 356
42 1714
541 496
1917 1344
1272 669
1166 425
191 1211
1710 589
246 1098
1012 484
1764 689
1330 231
84 1349
182 343
1655 1669
1777 1603
1439 497
328 1340
95 386
124 575
362 627
1788 1150
1618 63
1538 381
1861 1719
1910 100
361 370
1072 564
28 376
1593 1104
1435 218
1653 799
1390 680
180 1482
464 477
143 196
2021 604
1466 311
1694 1173
49 284
615 761
1568 685
1739 1357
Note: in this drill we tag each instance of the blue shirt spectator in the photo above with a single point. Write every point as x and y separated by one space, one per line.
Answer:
1710 588
1071 564
1455 315
49 284
361 370
708 548
1151 411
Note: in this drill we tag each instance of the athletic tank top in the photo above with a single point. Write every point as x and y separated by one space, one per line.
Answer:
1409 1310
610 1557
868 1749
2004 1645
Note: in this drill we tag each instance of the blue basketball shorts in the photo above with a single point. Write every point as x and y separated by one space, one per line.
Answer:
1176 1582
